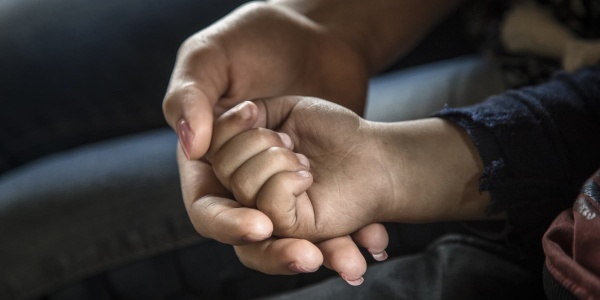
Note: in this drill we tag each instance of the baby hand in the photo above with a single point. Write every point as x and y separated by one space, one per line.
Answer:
311 166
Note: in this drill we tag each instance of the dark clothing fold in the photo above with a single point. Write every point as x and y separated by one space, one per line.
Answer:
538 145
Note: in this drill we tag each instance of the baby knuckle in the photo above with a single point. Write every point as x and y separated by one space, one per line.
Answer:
244 188
267 137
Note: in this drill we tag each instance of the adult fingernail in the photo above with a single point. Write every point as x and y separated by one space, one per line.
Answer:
186 136
287 141
381 256
303 159
296 268
354 282
253 238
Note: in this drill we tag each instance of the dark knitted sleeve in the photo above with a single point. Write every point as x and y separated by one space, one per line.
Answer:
538 145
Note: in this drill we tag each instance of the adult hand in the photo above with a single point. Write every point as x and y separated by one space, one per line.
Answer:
259 50
313 48
319 48
360 172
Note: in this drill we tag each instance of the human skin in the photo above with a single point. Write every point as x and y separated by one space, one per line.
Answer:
319 171
228 221
321 48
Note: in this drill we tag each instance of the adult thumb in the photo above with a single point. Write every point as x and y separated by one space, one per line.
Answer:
197 84
190 113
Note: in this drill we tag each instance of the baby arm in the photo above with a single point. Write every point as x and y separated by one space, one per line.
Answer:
351 172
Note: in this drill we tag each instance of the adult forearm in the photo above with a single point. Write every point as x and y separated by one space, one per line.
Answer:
379 30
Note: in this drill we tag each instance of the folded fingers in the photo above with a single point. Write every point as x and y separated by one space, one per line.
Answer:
374 238
287 256
281 256
343 256
249 178
212 211
234 144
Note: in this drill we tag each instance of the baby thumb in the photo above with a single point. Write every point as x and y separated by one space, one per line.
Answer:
284 200
274 111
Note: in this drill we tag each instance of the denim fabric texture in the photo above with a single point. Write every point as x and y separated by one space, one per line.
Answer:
75 72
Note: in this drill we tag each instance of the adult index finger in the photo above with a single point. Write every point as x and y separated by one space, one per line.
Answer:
197 83
213 213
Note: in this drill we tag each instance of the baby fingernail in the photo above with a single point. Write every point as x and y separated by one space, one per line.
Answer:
186 136
287 141
303 159
304 173
355 282
245 110
380 256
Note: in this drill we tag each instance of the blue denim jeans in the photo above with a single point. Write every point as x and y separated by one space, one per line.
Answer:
75 72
